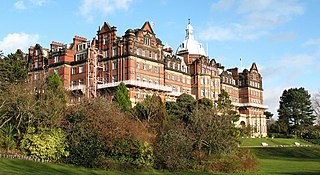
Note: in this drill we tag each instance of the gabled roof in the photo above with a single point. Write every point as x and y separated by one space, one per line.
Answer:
147 27
254 68
105 28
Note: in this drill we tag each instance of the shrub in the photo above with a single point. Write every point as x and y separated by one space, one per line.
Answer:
173 150
7 137
240 161
44 143
132 151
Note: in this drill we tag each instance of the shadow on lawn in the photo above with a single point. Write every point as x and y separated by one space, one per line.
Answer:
10 166
302 173
310 153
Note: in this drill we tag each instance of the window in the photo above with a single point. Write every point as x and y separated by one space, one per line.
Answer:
178 66
114 78
114 65
156 82
144 66
147 40
172 77
183 80
81 69
173 65
138 78
138 51
106 54
169 76
37 52
202 81
202 92
188 81
156 69
36 65
114 52
81 82
56 59
150 81
168 64
155 56
143 53
36 76
150 54
56 71
144 80
74 83
150 68
138 65
105 40
73 71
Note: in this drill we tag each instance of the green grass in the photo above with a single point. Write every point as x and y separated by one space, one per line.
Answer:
273 161
271 142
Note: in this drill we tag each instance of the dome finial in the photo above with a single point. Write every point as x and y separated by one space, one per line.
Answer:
189 21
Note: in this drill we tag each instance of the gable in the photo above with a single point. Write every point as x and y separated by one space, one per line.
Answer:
147 27
105 28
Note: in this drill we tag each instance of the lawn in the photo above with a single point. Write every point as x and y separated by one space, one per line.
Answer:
273 161
271 142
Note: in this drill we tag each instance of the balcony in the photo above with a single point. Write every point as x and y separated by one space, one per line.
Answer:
77 87
177 94
138 84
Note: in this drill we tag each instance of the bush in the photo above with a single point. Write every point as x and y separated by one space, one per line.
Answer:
173 150
87 152
241 161
44 143
132 151
7 140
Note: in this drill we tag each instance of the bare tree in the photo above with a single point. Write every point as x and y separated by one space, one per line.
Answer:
316 106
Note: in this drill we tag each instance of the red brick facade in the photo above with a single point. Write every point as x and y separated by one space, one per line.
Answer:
146 66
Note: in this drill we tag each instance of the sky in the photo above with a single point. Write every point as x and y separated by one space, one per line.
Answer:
281 36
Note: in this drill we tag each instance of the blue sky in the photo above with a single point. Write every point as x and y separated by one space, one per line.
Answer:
282 37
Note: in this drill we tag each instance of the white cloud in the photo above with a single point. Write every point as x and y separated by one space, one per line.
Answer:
38 2
255 18
312 42
89 8
285 36
222 4
14 41
19 5
24 4
233 32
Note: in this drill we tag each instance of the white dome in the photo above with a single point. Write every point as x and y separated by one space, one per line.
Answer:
190 44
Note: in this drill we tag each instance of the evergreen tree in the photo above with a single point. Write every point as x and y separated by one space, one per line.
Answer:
225 106
182 108
12 70
295 110
122 98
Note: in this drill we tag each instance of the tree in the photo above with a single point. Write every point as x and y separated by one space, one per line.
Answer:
122 98
12 70
316 106
225 107
268 115
151 110
182 108
1 54
295 110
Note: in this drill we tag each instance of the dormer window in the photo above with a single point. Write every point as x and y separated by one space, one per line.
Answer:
147 40
37 52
